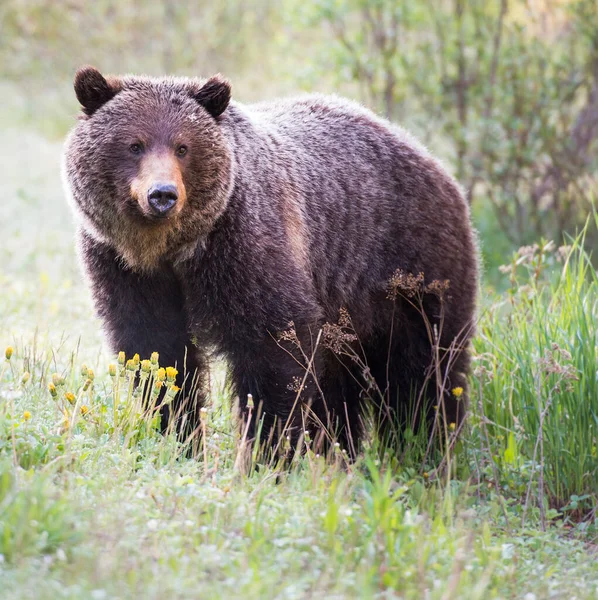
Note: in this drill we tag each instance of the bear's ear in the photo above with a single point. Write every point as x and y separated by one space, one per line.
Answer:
93 90
214 95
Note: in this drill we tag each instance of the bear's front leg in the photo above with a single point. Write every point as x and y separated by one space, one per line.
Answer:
287 399
144 313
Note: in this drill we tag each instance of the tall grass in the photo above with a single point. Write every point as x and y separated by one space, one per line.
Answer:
536 382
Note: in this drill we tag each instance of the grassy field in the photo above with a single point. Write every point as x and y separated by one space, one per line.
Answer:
97 507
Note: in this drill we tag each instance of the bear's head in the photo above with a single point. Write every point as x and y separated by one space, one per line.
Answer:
148 166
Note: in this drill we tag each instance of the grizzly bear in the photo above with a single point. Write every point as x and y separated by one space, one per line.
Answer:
319 249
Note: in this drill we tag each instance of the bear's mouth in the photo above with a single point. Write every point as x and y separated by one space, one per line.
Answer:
141 217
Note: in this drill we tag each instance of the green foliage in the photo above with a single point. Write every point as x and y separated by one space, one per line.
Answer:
536 390
34 518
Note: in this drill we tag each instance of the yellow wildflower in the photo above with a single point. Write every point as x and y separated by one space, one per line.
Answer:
91 374
458 392
84 409
70 397
136 358
8 352
112 370
121 358
171 373
25 378
52 390
26 415
84 370
146 366
154 358
86 385
161 374
158 384
452 426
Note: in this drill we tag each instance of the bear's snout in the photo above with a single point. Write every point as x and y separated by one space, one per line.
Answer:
162 198
158 187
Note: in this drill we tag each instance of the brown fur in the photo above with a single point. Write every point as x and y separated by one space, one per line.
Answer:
294 210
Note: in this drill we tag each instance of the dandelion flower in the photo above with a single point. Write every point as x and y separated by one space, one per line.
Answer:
8 352
458 392
171 373
26 415
161 374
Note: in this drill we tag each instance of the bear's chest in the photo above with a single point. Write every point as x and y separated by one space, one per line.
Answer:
229 301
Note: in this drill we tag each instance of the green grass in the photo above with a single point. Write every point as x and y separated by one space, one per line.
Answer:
104 507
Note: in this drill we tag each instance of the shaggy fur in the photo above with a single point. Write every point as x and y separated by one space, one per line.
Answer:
293 210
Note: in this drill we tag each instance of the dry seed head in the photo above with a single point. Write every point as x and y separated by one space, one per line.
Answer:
250 401
405 284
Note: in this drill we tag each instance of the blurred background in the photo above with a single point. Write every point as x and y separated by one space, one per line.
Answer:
505 91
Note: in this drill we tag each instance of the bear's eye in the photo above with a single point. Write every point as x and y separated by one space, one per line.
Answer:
181 150
135 148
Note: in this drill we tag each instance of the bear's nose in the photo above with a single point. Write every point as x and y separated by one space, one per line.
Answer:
162 197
